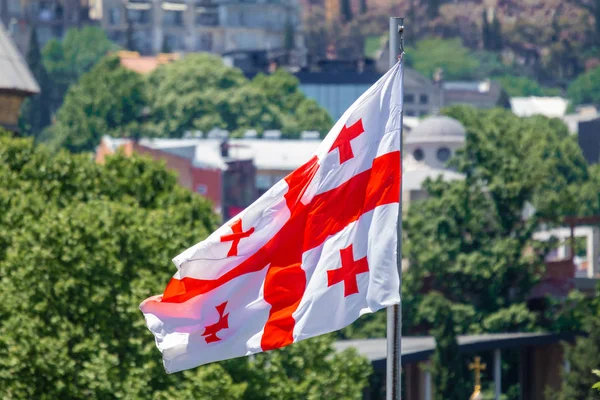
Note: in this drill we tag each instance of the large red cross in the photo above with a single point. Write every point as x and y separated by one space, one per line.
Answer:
342 141
308 226
236 236
348 271
211 331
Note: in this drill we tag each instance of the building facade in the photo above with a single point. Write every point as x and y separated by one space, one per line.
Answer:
335 85
217 26
51 18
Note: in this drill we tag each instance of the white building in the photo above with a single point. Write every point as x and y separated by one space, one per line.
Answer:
217 26
551 107
427 149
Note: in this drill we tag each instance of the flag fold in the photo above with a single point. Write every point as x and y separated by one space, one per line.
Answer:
310 256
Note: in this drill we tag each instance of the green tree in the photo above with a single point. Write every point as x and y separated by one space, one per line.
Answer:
67 60
491 32
583 356
81 245
448 54
469 241
108 100
297 112
480 251
214 95
35 112
520 86
586 88
597 384
447 364
588 193
85 47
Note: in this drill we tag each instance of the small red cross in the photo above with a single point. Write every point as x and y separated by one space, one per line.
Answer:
235 237
348 271
211 331
342 141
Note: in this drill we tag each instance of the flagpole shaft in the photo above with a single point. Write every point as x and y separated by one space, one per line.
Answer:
394 313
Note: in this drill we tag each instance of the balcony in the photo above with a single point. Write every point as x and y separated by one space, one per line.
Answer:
207 16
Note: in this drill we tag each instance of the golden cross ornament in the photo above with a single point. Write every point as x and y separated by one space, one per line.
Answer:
478 366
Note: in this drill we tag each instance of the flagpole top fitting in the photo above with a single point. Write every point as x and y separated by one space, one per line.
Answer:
401 34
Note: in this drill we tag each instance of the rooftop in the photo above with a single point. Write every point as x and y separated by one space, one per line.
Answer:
553 107
14 72
437 129
133 61
268 154
420 348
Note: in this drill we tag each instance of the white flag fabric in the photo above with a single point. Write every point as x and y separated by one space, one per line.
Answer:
310 256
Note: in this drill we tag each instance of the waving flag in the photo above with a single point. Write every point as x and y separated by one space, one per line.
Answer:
310 256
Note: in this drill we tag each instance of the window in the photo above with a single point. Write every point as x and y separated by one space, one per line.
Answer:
204 42
172 42
173 18
139 16
207 16
443 154
409 98
410 113
423 99
419 154
263 181
46 11
114 16
202 189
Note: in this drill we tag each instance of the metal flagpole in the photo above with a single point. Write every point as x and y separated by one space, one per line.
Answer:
394 313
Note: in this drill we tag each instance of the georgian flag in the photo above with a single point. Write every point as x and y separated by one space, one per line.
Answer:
310 256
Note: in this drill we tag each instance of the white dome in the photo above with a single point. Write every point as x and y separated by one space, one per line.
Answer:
440 129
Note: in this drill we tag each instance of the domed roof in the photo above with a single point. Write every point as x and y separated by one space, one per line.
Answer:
437 129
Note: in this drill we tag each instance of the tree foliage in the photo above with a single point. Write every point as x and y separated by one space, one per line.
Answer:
596 385
448 366
491 32
586 88
470 240
583 356
520 86
108 100
430 54
78 52
214 95
480 251
81 245
35 112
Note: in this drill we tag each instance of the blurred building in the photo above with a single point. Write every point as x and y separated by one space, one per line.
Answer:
336 84
427 149
51 18
16 82
582 113
589 140
540 358
551 107
231 173
217 26
479 94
